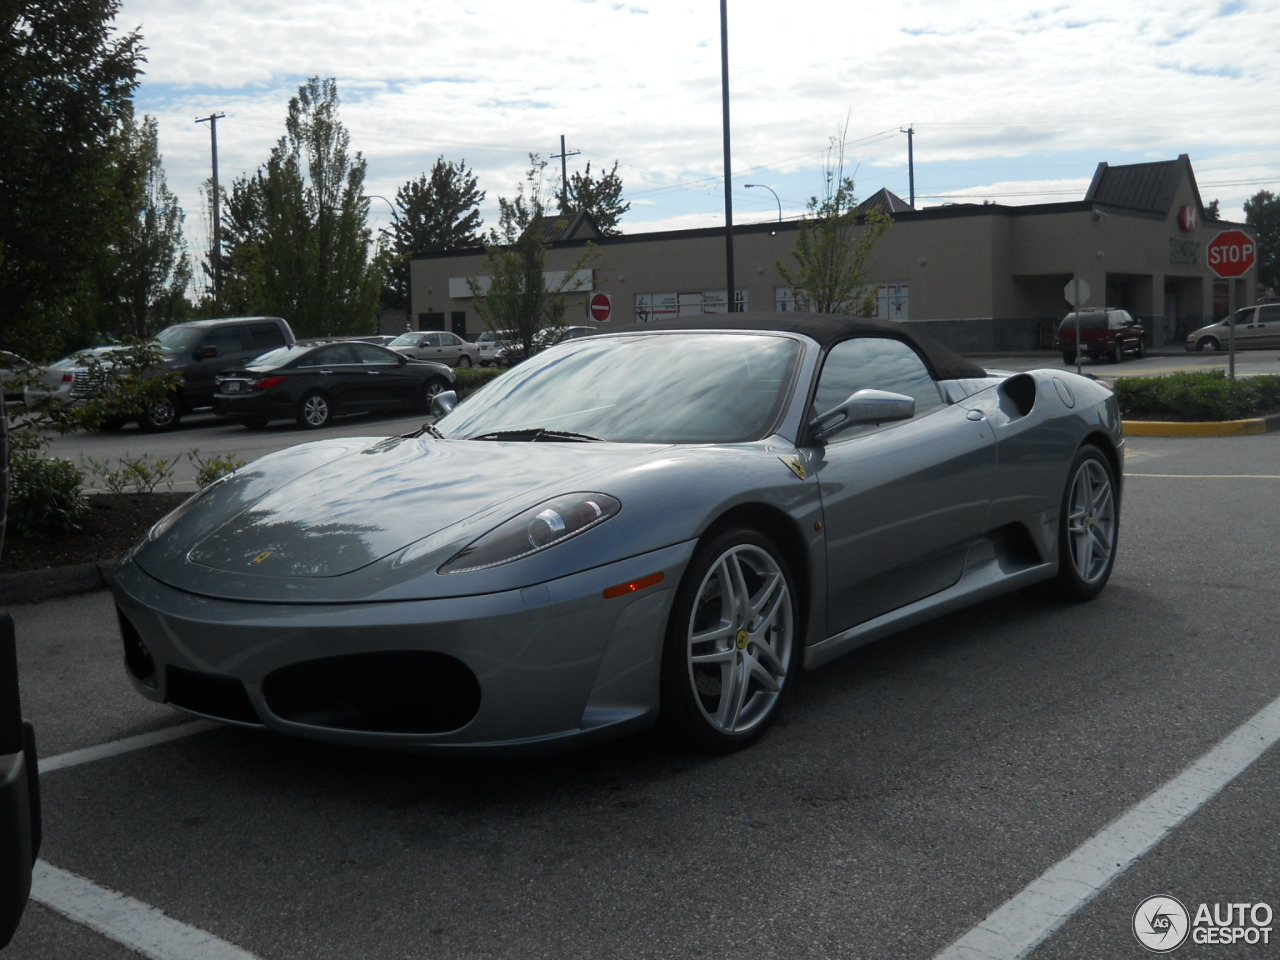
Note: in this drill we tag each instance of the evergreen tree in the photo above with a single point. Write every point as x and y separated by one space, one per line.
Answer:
1262 212
437 211
66 88
599 196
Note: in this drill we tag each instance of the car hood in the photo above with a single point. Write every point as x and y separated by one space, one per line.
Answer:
307 523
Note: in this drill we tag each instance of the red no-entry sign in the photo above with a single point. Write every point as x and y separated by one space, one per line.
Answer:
601 307
1231 253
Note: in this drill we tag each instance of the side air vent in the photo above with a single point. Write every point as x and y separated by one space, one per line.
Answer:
1020 391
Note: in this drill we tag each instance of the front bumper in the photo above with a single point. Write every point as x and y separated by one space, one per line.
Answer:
520 670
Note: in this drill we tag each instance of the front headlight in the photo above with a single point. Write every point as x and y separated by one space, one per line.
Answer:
538 528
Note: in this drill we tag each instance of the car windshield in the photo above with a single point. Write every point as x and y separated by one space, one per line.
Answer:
408 340
177 339
651 388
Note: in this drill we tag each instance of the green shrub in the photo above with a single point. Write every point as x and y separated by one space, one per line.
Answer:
46 494
139 474
214 467
470 379
1207 395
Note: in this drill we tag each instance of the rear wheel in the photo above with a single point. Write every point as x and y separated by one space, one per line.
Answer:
1088 525
163 414
464 361
1069 358
314 410
731 643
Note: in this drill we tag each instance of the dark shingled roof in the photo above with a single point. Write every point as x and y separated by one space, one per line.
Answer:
1141 187
884 201
826 329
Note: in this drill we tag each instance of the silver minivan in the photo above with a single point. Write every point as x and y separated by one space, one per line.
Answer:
1257 328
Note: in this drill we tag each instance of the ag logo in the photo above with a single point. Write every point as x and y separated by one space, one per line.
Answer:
1161 924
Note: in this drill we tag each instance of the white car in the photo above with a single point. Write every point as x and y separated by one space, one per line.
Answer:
438 345
67 379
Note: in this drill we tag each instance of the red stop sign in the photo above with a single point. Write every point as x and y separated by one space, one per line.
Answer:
1231 253
601 307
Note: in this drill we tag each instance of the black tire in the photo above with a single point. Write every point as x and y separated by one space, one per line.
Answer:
1142 348
725 665
1207 345
1068 358
314 410
464 361
255 423
1088 528
160 416
432 389
1117 352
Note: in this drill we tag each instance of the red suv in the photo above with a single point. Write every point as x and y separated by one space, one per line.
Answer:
1103 333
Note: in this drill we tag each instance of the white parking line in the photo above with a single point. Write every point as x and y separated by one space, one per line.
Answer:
1024 922
141 928
74 758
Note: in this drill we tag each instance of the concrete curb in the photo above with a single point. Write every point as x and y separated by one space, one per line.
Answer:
35 585
1217 428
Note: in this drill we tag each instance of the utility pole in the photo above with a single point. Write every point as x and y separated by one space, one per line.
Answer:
215 247
563 156
731 293
911 163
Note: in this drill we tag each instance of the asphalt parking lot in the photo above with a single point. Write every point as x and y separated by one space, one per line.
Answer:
937 794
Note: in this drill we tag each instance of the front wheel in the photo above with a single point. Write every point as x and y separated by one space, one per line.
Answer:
1141 350
731 643
1069 358
1207 345
1117 352
314 410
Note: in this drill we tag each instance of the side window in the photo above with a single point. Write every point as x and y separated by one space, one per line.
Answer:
222 340
1269 313
431 340
365 353
265 336
336 353
875 363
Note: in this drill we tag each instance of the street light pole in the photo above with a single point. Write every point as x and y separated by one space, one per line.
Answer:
771 190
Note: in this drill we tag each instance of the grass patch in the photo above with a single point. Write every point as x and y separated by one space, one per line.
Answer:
1198 396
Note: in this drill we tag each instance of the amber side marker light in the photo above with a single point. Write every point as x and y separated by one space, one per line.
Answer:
633 586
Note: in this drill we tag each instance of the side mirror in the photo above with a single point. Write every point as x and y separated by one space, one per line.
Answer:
20 828
442 403
863 407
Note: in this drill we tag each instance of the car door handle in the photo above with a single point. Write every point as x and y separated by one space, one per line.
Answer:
975 415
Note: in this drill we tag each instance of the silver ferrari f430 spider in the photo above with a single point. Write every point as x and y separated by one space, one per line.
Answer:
656 526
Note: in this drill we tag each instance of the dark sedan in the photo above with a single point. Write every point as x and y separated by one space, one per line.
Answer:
316 382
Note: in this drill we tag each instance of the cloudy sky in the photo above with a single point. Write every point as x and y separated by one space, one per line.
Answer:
1013 101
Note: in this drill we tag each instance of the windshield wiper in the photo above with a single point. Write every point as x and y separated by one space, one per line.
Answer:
536 434
430 429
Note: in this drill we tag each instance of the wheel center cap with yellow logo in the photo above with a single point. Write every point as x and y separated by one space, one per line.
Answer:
743 637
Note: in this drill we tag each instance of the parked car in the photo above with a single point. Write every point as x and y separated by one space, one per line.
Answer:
20 828
67 379
1103 333
315 383
15 374
511 351
563 557
489 342
201 349
1257 327
438 345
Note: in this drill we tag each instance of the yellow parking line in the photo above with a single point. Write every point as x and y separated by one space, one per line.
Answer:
1206 476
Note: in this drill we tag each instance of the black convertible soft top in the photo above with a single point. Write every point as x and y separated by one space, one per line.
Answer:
826 329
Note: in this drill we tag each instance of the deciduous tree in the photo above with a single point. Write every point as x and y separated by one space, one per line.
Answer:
519 298
296 232
834 245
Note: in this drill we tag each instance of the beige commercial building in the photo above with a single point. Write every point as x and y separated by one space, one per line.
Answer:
979 277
